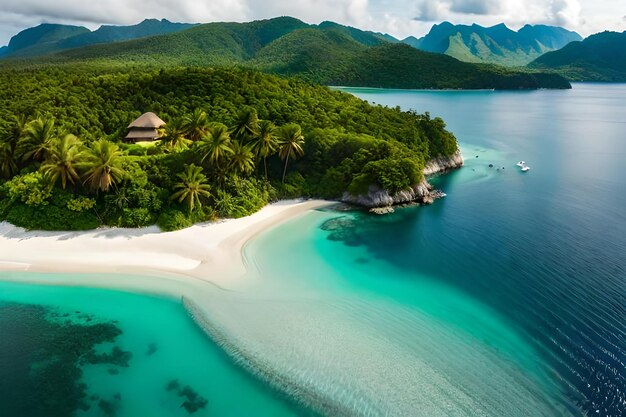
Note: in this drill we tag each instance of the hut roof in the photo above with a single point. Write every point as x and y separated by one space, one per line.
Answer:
147 120
147 134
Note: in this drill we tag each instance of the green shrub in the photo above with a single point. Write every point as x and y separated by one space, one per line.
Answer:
32 189
294 186
50 217
173 219
136 150
80 204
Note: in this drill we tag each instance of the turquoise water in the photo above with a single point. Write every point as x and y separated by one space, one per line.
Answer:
506 298
165 347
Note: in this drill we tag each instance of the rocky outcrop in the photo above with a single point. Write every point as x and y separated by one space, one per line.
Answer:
443 164
423 192
377 197
382 210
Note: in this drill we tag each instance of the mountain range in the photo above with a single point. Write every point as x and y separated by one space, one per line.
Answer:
328 53
48 38
600 57
497 44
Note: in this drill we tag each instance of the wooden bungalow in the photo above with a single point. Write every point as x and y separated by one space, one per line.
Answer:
145 128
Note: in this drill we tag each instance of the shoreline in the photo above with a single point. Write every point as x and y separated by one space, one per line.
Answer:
208 252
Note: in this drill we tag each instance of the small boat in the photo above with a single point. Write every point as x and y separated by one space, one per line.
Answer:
525 168
521 163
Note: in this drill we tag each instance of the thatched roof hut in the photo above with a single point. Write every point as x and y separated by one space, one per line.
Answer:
145 128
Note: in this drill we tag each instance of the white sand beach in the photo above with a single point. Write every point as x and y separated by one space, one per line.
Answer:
208 251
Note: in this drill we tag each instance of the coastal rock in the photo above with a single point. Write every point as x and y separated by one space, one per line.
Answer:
382 210
428 200
423 192
443 164
378 197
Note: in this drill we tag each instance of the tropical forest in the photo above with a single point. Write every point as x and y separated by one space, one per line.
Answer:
234 140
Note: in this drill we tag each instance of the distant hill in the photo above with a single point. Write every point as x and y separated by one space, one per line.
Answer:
367 38
600 57
38 39
328 53
334 58
319 55
208 44
107 34
47 38
497 44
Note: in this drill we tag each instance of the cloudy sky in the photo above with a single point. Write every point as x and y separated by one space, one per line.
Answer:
397 17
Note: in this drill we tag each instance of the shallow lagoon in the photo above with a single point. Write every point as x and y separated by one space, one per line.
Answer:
164 344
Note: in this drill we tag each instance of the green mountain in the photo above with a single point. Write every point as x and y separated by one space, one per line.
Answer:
108 34
208 44
364 37
318 55
40 39
497 44
399 66
47 38
600 57
326 54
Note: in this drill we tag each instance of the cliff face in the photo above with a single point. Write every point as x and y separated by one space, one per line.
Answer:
421 193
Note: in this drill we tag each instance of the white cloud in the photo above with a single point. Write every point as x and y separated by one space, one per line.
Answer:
566 12
123 11
397 17
512 12
347 11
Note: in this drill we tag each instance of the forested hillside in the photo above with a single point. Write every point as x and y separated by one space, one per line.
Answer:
234 140
600 57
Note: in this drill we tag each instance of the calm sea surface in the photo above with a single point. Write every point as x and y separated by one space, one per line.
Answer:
506 298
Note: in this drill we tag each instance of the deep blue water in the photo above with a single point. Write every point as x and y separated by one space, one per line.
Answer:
547 248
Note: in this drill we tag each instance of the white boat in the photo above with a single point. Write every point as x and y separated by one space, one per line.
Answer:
525 168
521 163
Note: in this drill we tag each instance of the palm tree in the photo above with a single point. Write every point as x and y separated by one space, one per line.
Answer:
265 142
173 135
192 186
8 146
290 142
216 144
8 158
242 159
63 160
196 125
19 126
103 165
247 124
36 139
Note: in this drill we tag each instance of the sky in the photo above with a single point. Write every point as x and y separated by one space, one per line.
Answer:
399 18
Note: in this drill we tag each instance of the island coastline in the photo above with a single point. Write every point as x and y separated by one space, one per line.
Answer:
209 252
